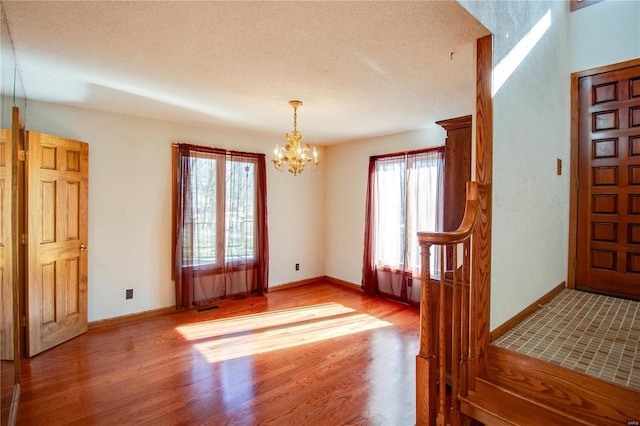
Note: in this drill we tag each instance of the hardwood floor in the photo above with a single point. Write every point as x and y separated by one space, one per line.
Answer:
313 355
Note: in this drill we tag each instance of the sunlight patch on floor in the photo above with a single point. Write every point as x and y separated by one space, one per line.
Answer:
230 338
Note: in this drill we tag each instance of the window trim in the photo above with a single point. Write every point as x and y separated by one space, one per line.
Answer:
579 4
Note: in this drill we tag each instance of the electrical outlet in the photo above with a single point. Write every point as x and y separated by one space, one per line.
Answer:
129 294
297 266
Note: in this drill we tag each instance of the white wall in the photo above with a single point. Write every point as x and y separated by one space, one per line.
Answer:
130 204
531 131
346 187
604 33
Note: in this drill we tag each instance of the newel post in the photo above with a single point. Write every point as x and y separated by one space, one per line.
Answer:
426 362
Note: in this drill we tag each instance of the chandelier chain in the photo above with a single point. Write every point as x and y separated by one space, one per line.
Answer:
295 118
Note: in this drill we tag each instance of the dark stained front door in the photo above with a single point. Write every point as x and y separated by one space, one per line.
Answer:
608 241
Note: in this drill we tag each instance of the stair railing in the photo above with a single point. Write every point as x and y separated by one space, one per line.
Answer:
433 357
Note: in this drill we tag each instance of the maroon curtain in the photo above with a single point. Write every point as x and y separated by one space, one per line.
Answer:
262 244
220 225
369 277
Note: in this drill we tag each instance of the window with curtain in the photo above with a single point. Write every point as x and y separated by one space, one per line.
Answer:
219 225
404 194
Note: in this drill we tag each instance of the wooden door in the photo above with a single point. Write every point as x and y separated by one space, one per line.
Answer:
608 222
57 196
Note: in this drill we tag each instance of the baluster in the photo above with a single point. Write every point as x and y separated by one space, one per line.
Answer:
455 340
471 364
442 339
464 320
426 361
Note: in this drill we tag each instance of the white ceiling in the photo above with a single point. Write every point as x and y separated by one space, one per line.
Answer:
361 68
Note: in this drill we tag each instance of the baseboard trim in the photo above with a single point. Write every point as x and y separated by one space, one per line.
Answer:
171 309
343 283
300 283
130 317
316 280
15 400
510 324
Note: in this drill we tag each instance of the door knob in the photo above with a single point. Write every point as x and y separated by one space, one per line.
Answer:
84 247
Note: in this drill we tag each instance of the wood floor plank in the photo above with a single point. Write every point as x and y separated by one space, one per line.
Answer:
314 355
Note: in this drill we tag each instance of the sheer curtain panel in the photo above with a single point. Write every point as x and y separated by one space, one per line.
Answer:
404 196
219 225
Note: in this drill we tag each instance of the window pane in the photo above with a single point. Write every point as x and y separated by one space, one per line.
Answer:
424 171
203 204
390 212
240 211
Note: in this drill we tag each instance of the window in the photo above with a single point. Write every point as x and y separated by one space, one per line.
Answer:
404 193
220 234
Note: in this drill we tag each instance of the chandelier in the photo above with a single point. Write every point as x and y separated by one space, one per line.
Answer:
293 156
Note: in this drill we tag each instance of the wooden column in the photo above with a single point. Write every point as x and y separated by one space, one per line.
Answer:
481 247
457 170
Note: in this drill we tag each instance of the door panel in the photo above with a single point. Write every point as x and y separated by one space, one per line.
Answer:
608 240
57 196
6 287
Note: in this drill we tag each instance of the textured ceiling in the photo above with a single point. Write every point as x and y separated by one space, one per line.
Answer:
361 68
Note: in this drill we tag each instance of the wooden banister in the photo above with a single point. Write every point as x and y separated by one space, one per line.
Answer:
431 361
466 226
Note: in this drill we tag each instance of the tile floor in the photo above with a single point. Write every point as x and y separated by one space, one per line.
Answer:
589 333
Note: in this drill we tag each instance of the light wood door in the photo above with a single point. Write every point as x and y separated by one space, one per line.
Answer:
6 285
608 240
57 196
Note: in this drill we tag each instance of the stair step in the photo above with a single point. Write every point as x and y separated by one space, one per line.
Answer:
493 405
